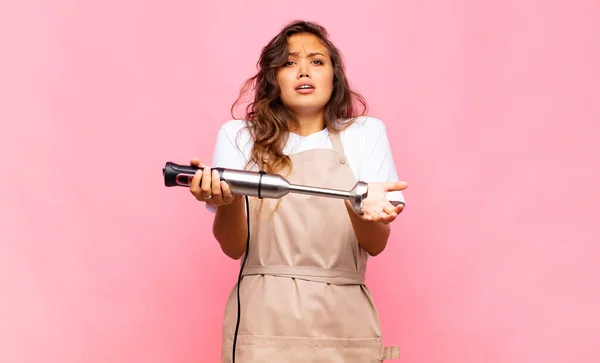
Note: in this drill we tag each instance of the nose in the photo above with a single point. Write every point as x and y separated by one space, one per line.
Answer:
303 71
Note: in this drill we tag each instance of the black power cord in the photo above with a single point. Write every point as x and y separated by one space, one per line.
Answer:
237 324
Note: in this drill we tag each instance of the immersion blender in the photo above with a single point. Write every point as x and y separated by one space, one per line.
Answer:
263 185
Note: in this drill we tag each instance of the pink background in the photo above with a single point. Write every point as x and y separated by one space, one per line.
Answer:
492 110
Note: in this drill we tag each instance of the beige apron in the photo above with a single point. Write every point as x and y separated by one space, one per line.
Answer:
303 297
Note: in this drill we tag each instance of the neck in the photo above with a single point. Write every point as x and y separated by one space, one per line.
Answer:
308 124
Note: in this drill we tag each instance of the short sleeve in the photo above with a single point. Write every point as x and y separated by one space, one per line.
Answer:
226 153
377 162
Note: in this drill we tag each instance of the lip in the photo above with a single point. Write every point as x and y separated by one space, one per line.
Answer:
305 90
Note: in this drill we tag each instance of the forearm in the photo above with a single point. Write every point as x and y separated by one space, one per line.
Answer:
372 236
230 228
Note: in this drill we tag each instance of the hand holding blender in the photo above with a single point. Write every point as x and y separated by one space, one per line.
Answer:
221 186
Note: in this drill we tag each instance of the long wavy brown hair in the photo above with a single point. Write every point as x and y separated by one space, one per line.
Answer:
268 119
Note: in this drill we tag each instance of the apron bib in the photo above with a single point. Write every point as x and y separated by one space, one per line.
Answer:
303 294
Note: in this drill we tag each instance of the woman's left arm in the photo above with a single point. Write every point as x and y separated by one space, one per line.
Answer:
377 168
372 229
372 236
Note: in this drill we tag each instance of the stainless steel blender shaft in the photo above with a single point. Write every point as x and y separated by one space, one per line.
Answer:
263 185
319 192
243 182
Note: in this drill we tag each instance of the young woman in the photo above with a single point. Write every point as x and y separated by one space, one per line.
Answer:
303 296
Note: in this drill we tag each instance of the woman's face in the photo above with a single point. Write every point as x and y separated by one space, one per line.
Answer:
306 80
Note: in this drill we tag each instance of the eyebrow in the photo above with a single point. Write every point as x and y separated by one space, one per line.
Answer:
309 54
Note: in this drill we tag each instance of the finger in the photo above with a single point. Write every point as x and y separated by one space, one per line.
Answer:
399 208
391 213
195 162
384 216
397 186
375 213
205 190
226 192
216 188
388 220
389 209
195 184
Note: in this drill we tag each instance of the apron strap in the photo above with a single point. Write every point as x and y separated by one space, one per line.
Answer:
336 142
391 352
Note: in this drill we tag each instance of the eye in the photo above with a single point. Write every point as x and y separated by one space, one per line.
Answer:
319 62
289 63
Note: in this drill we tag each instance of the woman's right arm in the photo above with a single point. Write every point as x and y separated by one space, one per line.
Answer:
229 226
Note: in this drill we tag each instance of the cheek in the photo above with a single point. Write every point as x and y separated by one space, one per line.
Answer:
284 82
327 84
327 78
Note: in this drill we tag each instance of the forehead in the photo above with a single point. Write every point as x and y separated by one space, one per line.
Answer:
306 43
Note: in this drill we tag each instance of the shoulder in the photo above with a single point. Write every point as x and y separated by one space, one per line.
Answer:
232 127
365 127
366 123
235 131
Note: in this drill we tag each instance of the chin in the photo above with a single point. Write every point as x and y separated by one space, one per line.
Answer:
306 105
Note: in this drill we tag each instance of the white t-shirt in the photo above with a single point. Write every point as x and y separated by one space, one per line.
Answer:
365 143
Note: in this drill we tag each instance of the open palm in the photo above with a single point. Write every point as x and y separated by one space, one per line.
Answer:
377 208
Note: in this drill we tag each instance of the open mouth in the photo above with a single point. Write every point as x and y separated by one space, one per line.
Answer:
305 88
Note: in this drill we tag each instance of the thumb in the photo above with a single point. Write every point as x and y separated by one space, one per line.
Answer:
396 186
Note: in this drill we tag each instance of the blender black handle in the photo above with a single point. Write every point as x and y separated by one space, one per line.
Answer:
181 175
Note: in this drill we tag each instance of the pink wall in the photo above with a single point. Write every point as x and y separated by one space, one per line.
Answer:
493 115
